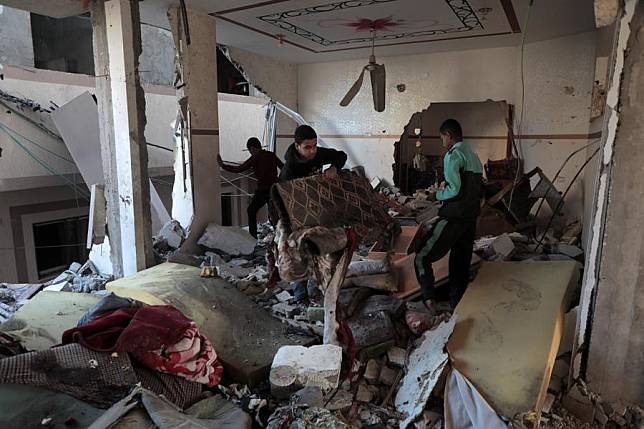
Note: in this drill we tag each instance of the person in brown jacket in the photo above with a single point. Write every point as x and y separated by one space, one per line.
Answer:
264 164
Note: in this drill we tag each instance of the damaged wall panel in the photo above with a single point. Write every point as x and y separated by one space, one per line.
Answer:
615 357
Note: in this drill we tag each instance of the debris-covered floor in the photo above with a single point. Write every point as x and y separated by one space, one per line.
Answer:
212 341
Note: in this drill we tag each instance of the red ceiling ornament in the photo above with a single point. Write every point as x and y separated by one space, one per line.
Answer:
380 24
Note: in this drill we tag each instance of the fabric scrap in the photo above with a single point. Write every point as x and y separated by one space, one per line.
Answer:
159 336
97 378
465 408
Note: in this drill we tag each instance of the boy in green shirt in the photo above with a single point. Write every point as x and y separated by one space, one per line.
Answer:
455 229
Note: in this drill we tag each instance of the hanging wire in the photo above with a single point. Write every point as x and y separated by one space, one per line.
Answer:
562 167
38 145
563 196
520 125
46 166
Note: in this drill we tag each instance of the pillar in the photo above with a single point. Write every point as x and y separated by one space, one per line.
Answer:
121 109
197 94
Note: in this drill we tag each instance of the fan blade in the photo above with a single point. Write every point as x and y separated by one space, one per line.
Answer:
353 91
378 83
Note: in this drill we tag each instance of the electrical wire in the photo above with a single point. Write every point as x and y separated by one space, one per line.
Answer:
38 145
46 166
562 167
563 196
519 146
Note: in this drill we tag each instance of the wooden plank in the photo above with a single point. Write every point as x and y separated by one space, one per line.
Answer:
408 284
509 328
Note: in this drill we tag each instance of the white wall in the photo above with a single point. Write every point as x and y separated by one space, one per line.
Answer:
477 75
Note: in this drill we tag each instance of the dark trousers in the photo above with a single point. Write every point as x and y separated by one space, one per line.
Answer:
260 199
456 237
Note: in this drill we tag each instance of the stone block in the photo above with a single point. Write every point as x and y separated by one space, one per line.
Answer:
228 239
286 309
364 394
296 366
579 405
315 314
387 376
396 356
172 233
372 372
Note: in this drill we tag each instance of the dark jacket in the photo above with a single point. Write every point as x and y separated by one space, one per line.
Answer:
464 183
295 168
264 165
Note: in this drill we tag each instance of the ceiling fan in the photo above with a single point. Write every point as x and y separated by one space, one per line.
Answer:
378 79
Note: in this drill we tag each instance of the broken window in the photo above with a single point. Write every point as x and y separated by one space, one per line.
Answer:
58 243
63 44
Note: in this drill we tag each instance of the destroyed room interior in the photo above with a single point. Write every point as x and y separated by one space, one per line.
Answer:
321 214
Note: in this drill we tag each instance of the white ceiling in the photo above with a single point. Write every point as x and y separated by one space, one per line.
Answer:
422 26
322 30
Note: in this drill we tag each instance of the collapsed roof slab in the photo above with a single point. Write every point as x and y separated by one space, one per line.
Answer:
244 335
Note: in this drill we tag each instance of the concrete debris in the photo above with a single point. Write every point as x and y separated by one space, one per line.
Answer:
547 404
579 404
172 234
309 396
341 400
80 278
364 394
396 356
500 248
286 310
387 376
569 250
231 240
372 371
297 366
426 364
284 296
315 314
304 418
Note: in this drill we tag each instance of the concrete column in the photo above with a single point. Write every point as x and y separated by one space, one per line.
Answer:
615 358
121 106
197 95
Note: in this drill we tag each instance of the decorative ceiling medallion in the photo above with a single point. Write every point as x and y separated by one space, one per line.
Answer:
461 9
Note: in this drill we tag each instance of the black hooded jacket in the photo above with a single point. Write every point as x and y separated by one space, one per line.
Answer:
295 168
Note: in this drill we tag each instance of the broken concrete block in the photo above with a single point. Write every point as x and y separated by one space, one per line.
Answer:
548 402
311 396
396 356
172 233
387 376
426 365
228 239
296 366
342 400
372 372
364 394
579 405
502 247
371 329
284 296
569 250
315 314
286 309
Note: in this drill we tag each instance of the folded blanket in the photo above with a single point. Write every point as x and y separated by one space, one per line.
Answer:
159 336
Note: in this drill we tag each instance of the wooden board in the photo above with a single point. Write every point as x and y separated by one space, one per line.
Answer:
509 328
407 282
244 335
